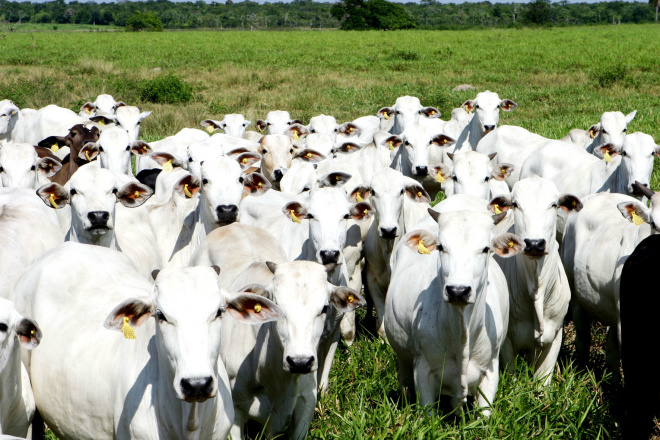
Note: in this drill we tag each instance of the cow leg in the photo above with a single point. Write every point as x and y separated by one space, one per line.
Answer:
325 359
547 360
582 322
406 379
507 355
378 297
488 387
613 354
426 384
303 414
236 432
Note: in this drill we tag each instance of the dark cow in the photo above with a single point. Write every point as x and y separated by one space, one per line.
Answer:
78 137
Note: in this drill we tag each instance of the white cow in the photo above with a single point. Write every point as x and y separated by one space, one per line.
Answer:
167 383
414 150
538 287
232 125
276 156
9 118
20 167
115 149
28 229
596 244
129 118
16 398
175 145
447 329
611 129
272 370
405 112
105 105
610 169
387 193
277 122
474 174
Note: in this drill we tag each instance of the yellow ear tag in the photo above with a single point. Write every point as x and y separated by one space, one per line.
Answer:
186 191
136 194
101 122
574 203
295 136
89 159
359 198
503 171
497 209
33 332
419 194
293 216
52 201
350 299
55 148
511 244
439 178
636 219
365 212
259 184
348 147
210 129
257 308
607 156
386 116
422 249
309 155
88 111
128 331
167 166
261 130
391 145
592 134
245 160
350 129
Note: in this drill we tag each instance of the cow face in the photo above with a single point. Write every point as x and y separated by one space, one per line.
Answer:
323 124
129 118
78 136
638 152
487 106
418 141
387 191
406 111
277 122
232 125
8 117
189 308
471 174
14 328
536 202
612 128
276 152
302 292
20 166
115 149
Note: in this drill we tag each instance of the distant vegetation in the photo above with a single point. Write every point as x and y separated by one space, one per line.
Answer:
366 14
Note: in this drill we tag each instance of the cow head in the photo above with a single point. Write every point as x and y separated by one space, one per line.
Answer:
471 174
20 166
15 331
486 107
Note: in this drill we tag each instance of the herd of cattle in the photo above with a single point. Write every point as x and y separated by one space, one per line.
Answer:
251 250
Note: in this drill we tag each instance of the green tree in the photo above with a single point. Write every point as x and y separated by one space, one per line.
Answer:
656 5
539 12
371 14
144 21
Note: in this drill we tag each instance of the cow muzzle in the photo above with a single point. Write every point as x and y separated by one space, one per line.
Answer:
388 233
458 295
535 248
329 257
98 221
226 214
299 365
422 171
197 389
489 128
277 175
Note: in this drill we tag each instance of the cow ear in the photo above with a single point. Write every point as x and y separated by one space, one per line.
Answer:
335 180
237 152
359 194
442 173
89 151
119 104
433 213
28 332
309 155
348 147
469 105
137 310
507 245
88 108
502 171
102 121
144 115
634 212
421 241
441 140
54 195
349 129
140 148
49 166
210 125
393 142
346 299
165 160
259 289
500 204
255 184
569 202
261 125
386 113
134 194
188 186
296 131
417 193
294 211
430 112
630 116
246 160
594 130
361 211
295 121
507 105
607 151
253 309
54 143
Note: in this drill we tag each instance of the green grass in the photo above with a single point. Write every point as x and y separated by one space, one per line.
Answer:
561 78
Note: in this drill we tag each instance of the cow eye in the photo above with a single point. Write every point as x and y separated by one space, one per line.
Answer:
263 151
291 150
625 129
498 106
440 248
406 143
624 154
190 159
205 181
477 106
4 327
160 317
114 190
336 130
219 313
554 205
306 188
487 179
100 148
373 193
128 147
514 205
397 112
603 131
347 216
33 167
268 123
486 250
1 169
309 216
312 131
138 123
402 191
72 192
325 309
454 178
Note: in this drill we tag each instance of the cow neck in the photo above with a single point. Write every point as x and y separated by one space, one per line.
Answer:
609 176
109 240
474 134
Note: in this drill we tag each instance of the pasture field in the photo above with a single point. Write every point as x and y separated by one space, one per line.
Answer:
561 78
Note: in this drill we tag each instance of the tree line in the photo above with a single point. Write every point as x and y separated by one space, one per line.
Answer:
346 14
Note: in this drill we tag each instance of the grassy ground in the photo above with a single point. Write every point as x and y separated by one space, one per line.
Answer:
560 78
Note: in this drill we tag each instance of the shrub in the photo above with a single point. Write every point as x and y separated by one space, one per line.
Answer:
144 21
609 75
165 89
